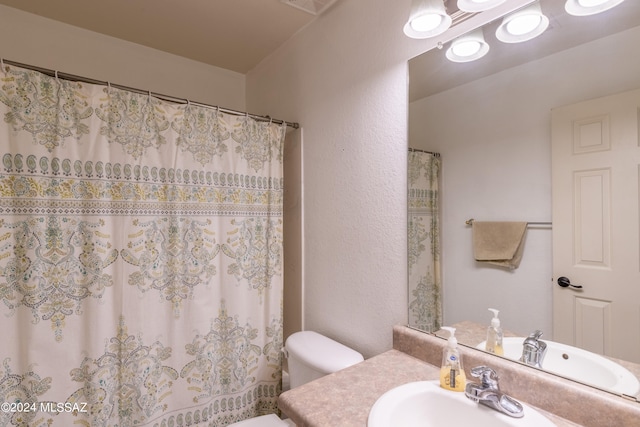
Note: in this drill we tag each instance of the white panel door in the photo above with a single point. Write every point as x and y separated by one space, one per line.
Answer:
596 245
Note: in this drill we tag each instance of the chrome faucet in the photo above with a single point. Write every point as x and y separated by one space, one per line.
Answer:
488 393
534 350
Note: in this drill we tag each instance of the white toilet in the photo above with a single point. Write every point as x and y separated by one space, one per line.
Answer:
310 356
270 420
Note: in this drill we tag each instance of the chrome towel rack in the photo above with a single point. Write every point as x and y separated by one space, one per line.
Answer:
470 222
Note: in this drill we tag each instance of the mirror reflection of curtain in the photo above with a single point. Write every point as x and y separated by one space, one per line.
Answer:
140 258
425 287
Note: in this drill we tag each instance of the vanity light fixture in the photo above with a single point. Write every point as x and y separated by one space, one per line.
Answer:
473 6
468 48
522 25
428 18
589 7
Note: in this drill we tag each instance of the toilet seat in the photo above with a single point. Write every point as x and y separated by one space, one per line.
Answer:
270 420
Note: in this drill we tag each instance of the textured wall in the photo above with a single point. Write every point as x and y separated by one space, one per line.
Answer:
344 78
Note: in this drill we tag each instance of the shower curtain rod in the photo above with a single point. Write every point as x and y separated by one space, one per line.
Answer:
424 151
168 98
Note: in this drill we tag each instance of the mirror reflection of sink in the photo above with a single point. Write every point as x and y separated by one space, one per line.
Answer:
426 404
578 364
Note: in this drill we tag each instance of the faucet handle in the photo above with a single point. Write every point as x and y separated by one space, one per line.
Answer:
534 349
487 375
534 342
535 335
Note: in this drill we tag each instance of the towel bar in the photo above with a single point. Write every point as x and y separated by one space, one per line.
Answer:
470 222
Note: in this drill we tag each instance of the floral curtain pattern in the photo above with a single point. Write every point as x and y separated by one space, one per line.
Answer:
140 258
425 286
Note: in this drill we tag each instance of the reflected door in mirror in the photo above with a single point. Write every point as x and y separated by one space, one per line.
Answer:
595 174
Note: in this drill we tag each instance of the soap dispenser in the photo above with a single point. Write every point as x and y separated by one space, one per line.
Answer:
494 335
452 376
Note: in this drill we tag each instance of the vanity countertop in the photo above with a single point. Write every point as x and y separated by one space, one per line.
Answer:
343 399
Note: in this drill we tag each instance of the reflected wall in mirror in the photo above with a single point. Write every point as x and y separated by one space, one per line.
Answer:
491 122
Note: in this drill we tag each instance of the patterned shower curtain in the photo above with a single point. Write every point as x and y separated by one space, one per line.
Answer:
425 287
140 259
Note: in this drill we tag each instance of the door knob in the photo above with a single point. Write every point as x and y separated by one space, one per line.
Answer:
565 283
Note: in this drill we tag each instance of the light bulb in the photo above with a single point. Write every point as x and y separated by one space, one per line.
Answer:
523 24
427 22
589 7
466 48
591 3
428 18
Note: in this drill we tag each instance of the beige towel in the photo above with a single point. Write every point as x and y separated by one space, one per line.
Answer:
499 243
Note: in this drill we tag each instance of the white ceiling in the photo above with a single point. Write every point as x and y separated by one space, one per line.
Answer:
238 34
231 34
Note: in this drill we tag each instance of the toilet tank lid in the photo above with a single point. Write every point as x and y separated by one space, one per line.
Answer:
320 352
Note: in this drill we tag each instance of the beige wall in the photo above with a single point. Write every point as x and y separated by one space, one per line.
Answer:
34 40
293 238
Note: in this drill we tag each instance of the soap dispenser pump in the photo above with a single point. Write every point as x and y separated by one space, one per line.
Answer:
494 335
452 376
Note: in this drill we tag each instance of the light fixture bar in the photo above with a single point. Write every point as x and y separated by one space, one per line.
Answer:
314 7
473 6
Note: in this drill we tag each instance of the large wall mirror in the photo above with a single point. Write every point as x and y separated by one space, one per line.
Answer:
490 120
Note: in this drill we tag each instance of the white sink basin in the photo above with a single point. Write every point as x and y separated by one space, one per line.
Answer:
425 404
578 364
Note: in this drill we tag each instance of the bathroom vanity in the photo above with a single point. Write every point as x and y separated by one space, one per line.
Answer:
345 398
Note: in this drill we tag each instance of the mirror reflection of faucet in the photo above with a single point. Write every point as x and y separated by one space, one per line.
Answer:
534 350
488 393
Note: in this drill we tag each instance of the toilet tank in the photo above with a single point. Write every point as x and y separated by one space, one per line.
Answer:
311 356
